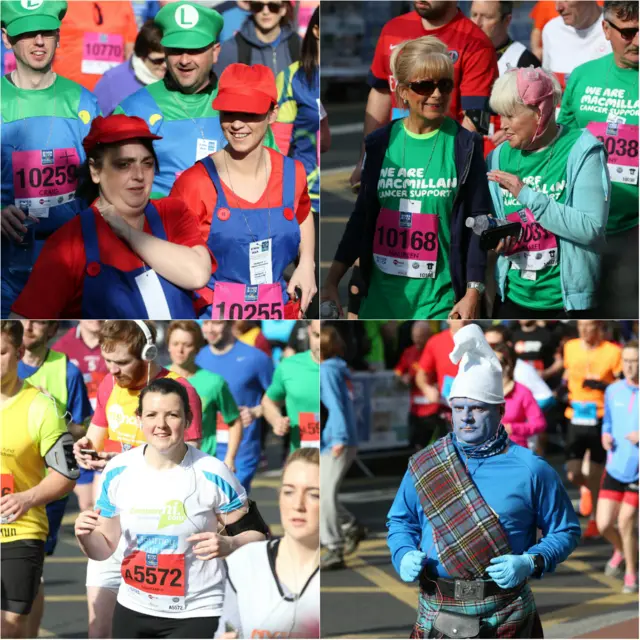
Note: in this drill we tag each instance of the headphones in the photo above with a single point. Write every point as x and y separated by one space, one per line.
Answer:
149 351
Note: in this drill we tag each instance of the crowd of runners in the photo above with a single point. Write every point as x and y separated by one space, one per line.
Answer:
161 459
147 171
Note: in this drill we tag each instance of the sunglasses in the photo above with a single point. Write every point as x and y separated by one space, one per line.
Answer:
257 7
156 61
427 87
627 34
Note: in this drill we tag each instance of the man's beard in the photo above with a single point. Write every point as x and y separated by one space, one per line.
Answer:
433 13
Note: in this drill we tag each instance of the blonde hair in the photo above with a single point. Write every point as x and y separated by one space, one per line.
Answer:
310 455
426 57
505 97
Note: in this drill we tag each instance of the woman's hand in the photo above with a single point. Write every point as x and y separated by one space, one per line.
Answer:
86 523
117 223
506 245
467 308
507 181
211 545
304 277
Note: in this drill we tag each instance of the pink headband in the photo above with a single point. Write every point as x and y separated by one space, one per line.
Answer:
535 89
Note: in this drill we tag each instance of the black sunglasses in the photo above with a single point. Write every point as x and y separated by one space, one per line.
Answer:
257 7
627 33
427 87
156 61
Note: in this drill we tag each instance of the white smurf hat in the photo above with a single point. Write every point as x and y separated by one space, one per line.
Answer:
480 373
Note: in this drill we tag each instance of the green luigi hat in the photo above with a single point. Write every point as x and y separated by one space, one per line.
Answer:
186 25
24 16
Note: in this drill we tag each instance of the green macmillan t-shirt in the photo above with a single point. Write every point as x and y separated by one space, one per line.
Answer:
601 92
411 275
296 380
216 397
545 171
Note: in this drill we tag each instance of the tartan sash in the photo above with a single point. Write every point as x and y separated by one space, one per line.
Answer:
466 532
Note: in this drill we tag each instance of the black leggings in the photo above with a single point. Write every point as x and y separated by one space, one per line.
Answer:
131 624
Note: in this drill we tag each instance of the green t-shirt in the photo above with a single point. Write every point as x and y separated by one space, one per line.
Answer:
296 380
409 187
216 397
544 170
600 91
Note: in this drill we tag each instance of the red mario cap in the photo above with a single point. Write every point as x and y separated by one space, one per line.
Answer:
247 89
116 128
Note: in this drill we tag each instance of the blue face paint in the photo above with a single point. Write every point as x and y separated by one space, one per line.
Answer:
474 422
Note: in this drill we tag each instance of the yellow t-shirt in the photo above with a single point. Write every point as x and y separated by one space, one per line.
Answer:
124 432
603 363
30 426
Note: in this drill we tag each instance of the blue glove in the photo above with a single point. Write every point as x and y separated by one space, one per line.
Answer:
509 571
411 565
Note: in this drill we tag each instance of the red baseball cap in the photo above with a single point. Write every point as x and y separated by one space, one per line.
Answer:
116 128
247 89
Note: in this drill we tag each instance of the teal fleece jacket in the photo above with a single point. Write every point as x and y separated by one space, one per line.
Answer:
579 224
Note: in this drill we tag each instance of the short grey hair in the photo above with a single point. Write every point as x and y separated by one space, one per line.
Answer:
505 97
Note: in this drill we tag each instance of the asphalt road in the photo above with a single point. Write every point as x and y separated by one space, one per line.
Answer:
368 599
65 614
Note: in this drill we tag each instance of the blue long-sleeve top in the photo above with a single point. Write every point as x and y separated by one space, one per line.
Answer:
521 488
335 394
620 419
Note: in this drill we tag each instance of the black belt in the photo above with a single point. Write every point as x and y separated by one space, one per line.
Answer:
461 589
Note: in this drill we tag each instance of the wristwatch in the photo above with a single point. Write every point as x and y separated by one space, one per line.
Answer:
538 564
476 285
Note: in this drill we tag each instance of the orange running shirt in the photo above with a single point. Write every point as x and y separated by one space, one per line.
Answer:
93 39
603 363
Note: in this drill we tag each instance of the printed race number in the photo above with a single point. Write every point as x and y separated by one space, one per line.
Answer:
619 146
7 484
161 574
37 177
249 311
390 237
102 50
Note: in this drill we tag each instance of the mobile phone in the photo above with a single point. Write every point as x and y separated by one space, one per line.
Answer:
90 452
489 239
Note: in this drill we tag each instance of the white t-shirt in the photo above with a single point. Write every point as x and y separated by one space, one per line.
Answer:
257 605
565 48
158 511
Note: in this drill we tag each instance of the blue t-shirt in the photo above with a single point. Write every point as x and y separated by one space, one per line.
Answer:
533 498
248 372
620 419
78 405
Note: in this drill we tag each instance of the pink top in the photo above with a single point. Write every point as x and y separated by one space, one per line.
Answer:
523 414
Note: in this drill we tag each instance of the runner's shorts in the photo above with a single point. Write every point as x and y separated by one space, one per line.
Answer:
581 438
613 489
106 573
22 564
133 624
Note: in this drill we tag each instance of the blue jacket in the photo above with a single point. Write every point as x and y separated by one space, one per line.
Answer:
579 224
466 260
335 395
620 419
275 55
532 499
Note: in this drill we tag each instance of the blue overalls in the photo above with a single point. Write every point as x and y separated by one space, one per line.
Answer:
233 230
109 293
